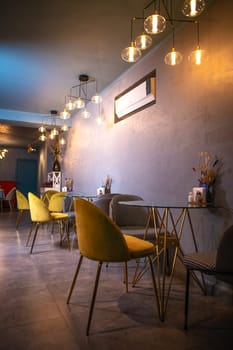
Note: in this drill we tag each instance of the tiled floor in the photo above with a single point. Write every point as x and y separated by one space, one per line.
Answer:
34 314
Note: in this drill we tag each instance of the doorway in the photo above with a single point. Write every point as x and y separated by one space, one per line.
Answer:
26 175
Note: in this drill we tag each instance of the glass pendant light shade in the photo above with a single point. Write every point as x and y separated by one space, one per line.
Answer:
54 131
70 105
96 98
64 127
42 137
143 41
62 141
198 56
65 114
173 58
193 8
131 53
79 103
42 129
85 113
99 120
154 24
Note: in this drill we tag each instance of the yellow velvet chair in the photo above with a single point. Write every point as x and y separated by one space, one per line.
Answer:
56 205
100 239
40 214
47 195
22 205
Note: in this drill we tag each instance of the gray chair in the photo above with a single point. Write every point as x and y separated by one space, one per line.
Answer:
10 197
103 202
131 220
218 263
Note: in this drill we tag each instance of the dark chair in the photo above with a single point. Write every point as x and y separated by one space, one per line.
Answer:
218 263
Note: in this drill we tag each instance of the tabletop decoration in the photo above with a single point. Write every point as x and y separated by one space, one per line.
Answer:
208 168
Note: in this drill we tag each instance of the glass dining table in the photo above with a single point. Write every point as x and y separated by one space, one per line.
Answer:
168 221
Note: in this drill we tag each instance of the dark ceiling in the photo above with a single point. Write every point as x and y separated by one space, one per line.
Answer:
45 45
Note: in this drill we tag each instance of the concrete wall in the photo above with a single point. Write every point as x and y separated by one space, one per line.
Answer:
152 152
8 164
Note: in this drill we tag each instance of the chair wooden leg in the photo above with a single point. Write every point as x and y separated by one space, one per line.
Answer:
126 280
93 297
74 279
34 238
186 300
29 235
20 213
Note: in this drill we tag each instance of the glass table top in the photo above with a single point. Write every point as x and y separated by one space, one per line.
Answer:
169 204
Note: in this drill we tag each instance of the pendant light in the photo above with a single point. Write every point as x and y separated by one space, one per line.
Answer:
155 23
143 41
193 8
198 56
131 53
173 57
96 98
42 137
70 105
65 114
85 113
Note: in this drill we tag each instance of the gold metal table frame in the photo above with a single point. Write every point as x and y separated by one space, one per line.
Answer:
168 231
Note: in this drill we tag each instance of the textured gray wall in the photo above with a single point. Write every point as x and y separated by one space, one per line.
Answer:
152 153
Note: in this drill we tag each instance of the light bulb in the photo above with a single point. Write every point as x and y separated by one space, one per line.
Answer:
70 105
173 58
54 131
96 98
131 53
193 8
64 127
42 137
62 141
79 103
65 114
42 129
143 41
198 56
86 114
154 24
99 120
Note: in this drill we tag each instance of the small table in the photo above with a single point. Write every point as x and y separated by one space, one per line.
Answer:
166 238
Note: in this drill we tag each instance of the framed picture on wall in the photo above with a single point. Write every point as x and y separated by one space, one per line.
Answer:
140 95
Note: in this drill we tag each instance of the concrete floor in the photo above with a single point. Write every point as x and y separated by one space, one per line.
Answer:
34 314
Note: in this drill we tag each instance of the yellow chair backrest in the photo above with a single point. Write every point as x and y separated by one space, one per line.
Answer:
56 202
47 195
22 201
98 237
38 210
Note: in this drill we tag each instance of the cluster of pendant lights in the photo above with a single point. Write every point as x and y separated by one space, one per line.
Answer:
53 132
78 98
156 23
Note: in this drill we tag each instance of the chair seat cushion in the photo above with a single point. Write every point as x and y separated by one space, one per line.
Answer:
138 231
203 261
138 247
59 216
